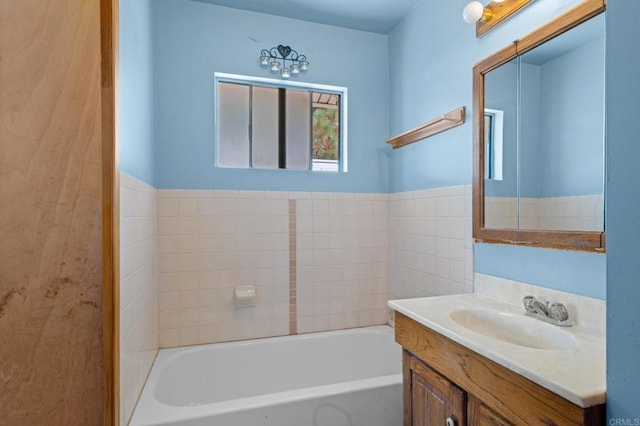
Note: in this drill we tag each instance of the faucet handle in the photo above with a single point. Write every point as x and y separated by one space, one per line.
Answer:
558 312
529 303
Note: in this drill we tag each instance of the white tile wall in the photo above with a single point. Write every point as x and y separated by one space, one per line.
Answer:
502 212
430 246
353 252
529 213
211 241
342 241
138 289
585 213
581 213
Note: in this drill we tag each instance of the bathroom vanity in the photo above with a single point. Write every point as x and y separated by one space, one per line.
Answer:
471 359
447 384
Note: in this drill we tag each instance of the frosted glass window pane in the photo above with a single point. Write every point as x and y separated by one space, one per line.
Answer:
233 125
265 127
298 129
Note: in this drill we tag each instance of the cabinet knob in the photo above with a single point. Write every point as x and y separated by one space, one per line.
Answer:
450 422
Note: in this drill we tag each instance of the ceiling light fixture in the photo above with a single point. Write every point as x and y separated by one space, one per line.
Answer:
271 59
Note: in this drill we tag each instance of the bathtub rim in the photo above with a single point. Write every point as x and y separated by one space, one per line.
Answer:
157 413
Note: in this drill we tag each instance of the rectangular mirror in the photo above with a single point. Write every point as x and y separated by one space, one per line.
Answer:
539 130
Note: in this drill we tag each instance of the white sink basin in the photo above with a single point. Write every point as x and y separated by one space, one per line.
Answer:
515 329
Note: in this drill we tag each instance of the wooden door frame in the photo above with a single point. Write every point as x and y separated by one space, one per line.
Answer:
110 212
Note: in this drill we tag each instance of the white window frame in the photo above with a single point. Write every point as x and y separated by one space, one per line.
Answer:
497 135
271 82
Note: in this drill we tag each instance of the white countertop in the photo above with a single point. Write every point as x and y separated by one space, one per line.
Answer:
577 374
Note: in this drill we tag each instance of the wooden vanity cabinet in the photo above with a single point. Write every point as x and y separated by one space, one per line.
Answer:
433 398
448 384
480 414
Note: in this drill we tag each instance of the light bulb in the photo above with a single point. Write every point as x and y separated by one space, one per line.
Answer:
473 12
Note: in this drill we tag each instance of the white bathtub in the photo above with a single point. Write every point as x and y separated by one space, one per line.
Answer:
338 378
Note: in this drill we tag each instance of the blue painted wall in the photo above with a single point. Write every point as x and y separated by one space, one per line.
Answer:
547 268
136 147
431 53
195 39
572 123
623 205
531 156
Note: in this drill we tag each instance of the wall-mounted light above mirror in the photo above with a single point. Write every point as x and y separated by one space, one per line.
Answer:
489 16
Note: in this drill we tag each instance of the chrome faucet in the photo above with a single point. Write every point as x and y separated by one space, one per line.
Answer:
554 313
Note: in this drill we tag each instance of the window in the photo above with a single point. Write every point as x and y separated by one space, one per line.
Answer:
265 123
493 130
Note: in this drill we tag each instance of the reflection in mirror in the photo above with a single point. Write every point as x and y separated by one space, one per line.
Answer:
493 137
500 113
562 138
551 100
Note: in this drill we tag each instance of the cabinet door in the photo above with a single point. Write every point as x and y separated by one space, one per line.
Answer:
429 398
481 415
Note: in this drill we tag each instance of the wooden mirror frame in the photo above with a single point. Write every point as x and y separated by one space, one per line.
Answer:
567 240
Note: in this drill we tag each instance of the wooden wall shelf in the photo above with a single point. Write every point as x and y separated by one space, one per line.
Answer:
437 125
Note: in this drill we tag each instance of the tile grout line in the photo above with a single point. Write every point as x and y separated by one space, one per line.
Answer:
293 290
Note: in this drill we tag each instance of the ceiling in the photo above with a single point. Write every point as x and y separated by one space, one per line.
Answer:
378 16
